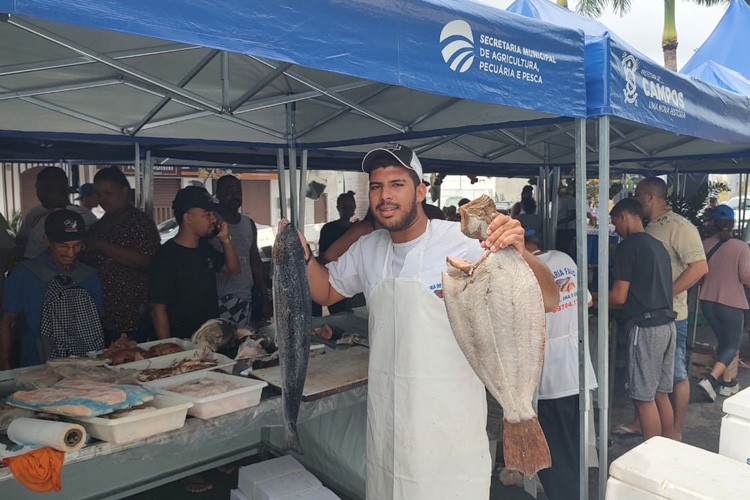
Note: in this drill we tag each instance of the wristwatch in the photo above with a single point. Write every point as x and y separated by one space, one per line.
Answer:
228 239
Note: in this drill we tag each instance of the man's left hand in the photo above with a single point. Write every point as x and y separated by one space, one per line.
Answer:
223 230
504 232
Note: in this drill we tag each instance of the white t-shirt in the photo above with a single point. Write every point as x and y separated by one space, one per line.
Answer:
240 285
32 228
560 369
360 269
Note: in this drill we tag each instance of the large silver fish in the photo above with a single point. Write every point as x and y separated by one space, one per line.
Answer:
496 312
292 311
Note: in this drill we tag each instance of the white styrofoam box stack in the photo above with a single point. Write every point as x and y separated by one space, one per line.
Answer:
237 494
282 478
734 436
663 468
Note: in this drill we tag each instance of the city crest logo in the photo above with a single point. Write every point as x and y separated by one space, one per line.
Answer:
457 45
629 68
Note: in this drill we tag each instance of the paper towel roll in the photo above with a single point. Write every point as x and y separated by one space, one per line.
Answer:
62 436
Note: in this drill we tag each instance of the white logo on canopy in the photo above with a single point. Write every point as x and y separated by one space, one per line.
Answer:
457 45
629 67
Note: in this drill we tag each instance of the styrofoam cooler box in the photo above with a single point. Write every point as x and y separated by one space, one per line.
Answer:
282 478
237 494
623 491
734 436
663 468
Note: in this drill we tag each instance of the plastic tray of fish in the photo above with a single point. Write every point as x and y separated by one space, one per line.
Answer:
219 404
186 345
222 362
162 414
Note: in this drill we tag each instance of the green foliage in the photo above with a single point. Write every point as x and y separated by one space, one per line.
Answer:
692 207
14 224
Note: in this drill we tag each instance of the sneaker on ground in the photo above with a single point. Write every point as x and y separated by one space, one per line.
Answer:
707 388
729 389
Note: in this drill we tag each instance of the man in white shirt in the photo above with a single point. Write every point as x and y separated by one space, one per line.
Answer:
426 410
53 191
558 390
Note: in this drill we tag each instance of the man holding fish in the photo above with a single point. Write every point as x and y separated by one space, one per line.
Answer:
426 407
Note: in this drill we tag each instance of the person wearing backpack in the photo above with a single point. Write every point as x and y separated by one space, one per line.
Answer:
56 300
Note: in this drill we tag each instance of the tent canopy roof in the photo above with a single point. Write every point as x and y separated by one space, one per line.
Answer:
623 83
222 78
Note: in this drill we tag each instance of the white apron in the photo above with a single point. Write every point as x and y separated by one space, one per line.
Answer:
426 409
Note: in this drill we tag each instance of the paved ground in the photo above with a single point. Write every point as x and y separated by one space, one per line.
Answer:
701 429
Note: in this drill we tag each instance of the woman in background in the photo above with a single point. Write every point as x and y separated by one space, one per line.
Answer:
723 299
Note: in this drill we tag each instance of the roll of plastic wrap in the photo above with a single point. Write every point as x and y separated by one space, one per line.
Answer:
62 436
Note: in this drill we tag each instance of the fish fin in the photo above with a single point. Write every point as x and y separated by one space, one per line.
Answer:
291 440
525 447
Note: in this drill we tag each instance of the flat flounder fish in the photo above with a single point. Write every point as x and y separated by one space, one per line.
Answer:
496 312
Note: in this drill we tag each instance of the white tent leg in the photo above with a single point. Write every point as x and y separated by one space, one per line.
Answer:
603 313
282 181
541 196
554 192
583 310
137 175
148 185
303 188
293 186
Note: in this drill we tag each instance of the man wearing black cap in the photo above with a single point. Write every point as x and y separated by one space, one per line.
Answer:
27 286
182 277
418 408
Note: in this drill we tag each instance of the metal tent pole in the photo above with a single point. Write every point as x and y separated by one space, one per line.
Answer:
548 241
541 196
303 188
148 185
137 176
293 186
583 313
603 307
554 192
282 181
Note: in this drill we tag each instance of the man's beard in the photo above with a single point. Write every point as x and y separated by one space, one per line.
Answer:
399 225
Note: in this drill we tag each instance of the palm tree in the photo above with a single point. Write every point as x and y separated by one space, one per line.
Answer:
594 8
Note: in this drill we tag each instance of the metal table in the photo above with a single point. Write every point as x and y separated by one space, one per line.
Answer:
106 470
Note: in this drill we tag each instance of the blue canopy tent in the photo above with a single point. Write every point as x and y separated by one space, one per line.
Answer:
469 87
664 121
727 44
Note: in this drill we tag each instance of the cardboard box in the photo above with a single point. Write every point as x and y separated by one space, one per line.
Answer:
704 357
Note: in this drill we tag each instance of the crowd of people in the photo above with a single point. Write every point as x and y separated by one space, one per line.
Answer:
117 277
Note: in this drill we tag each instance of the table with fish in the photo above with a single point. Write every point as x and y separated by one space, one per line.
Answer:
107 470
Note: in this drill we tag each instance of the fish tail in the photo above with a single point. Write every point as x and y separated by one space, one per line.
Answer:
525 447
291 440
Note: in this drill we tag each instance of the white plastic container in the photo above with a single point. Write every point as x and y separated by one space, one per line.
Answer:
223 363
663 468
734 436
169 415
219 404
